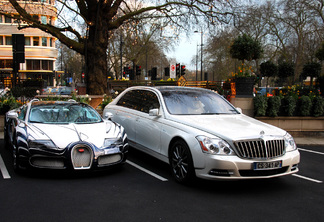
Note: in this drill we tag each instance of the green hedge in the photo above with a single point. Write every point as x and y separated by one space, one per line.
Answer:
289 106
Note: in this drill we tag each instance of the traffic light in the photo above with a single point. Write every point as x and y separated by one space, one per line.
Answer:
154 73
167 71
138 70
183 70
82 77
178 69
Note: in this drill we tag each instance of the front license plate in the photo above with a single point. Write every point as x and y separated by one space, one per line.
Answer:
267 165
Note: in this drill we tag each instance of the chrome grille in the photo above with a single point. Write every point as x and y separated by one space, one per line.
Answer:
262 149
81 156
47 162
109 159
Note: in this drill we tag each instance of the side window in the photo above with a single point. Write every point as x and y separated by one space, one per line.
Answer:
150 101
22 113
128 100
140 100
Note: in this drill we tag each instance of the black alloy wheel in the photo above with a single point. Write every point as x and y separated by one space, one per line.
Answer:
181 162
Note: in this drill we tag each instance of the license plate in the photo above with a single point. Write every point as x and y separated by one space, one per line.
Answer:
267 165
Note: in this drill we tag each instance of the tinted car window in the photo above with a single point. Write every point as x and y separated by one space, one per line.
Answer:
184 102
140 100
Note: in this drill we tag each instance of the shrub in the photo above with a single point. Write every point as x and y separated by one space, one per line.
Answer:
288 106
260 105
106 100
274 104
8 102
304 106
318 106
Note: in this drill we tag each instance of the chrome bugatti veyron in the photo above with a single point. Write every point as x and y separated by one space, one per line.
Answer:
63 135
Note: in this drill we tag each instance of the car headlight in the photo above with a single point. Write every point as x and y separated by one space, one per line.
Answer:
290 144
113 142
214 146
42 144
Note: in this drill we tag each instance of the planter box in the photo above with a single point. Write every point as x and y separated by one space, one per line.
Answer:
297 125
244 86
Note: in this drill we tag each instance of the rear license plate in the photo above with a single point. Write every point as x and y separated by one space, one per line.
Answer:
267 165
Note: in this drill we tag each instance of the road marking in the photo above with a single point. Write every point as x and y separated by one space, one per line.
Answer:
307 178
311 151
3 169
146 171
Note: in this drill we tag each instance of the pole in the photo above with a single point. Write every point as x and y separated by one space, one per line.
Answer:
121 55
201 59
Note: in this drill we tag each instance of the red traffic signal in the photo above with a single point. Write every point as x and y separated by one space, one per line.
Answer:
183 70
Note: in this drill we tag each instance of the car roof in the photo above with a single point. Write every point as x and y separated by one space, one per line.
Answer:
170 88
41 103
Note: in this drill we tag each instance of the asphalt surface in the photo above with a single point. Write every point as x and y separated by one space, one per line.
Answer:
131 194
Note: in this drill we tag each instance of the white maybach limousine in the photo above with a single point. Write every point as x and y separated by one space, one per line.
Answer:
199 133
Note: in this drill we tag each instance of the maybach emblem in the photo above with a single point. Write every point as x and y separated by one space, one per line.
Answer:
262 133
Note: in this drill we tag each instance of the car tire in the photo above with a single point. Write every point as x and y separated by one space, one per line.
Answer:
181 162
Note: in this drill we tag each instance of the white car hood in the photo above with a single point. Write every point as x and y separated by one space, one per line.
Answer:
63 135
229 127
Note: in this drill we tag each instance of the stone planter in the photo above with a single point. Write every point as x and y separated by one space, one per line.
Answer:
297 125
244 86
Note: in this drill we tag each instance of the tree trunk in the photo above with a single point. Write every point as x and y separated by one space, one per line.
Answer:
96 59
96 53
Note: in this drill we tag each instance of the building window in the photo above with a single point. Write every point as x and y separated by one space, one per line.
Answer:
6 63
43 19
1 19
39 64
51 42
35 41
27 40
1 40
8 40
7 19
36 17
44 41
33 64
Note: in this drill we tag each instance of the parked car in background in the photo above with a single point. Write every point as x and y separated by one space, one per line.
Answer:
61 90
200 134
63 135
268 91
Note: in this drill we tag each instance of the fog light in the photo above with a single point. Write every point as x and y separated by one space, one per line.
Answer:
224 173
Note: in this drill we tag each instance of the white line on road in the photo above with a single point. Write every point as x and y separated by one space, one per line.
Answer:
3 169
146 171
307 178
311 151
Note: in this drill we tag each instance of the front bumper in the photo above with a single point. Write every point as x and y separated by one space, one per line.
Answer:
233 167
78 156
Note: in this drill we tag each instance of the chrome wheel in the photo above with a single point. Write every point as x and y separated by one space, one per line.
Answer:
181 162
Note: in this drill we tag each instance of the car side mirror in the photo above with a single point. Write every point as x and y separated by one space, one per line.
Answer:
12 115
154 112
108 116
239 109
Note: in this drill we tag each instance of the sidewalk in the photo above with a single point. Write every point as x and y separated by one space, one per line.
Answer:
300 141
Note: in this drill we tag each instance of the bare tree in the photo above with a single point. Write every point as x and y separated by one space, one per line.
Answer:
103 16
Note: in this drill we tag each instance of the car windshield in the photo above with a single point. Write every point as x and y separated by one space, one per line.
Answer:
190 102
63 114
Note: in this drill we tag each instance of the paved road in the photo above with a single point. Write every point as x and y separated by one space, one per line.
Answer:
143 190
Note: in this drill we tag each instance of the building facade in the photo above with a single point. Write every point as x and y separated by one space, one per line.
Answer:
40 51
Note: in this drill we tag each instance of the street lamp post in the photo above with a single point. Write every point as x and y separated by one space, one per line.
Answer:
201 55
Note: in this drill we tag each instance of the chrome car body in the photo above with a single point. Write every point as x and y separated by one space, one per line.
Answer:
63 135
201 134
